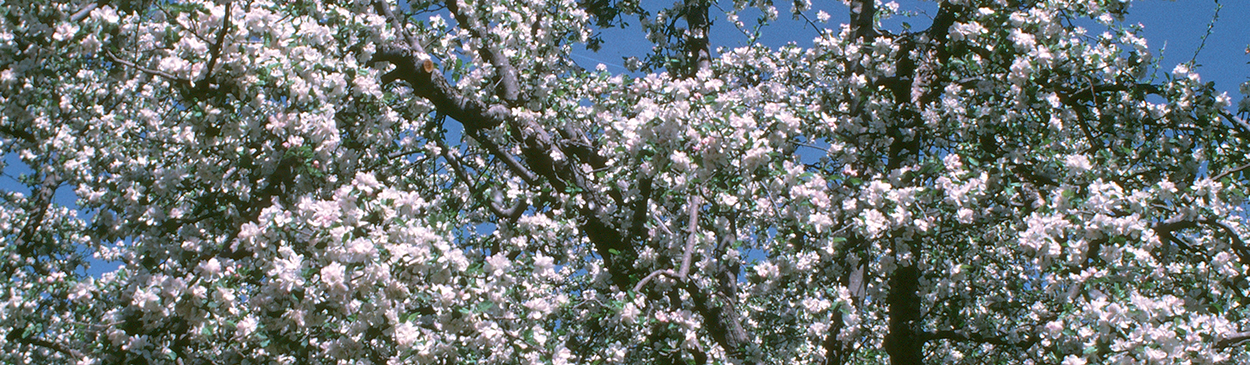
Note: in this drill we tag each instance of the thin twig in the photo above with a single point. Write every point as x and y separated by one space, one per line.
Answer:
692 239
163 74
1230 172
464 176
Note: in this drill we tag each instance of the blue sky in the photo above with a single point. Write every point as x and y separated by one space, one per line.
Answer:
1173 29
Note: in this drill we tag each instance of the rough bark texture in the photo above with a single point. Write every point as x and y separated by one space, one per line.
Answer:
904 343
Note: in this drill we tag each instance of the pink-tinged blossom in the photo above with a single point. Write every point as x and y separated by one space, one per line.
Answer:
277 184
1078 163
334 277
406 334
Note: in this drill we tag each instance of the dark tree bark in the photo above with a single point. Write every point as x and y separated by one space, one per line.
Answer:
904 343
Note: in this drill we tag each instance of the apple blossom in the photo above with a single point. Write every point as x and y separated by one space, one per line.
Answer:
366 181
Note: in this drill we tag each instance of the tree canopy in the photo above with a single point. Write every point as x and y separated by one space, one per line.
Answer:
372 182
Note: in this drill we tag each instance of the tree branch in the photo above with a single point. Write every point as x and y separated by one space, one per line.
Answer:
215 51
511 213
508 159
687 255
978 338
692 237
18 133
507 87
1237 122
1234 339
1179 221
724 323
16 336
162 74
696 40
384 10
1230 172
83 13
666 272
863 13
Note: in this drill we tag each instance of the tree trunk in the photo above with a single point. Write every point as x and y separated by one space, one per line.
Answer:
904 343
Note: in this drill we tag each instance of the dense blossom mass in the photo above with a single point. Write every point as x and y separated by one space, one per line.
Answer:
372 182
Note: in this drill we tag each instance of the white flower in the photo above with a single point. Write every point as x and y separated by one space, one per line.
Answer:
1024 42
366 182
334 277
1021 69
1078 163
82 291
874 222
563 356
965 216
766 270
968 31
629 313
820 221
210 268
65 30
146 300
246 327
544 265
498 264
359 250
406 334
1182 71
225 296
106 14
681 161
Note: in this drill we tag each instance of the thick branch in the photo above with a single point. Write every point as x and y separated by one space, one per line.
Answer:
42 201
904 343
385 10
16 336
696 41
18 133
214 52
724 322
507 88
1234 339
1166 228
862 14
692 237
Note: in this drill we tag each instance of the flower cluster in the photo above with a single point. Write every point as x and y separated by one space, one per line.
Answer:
349 182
